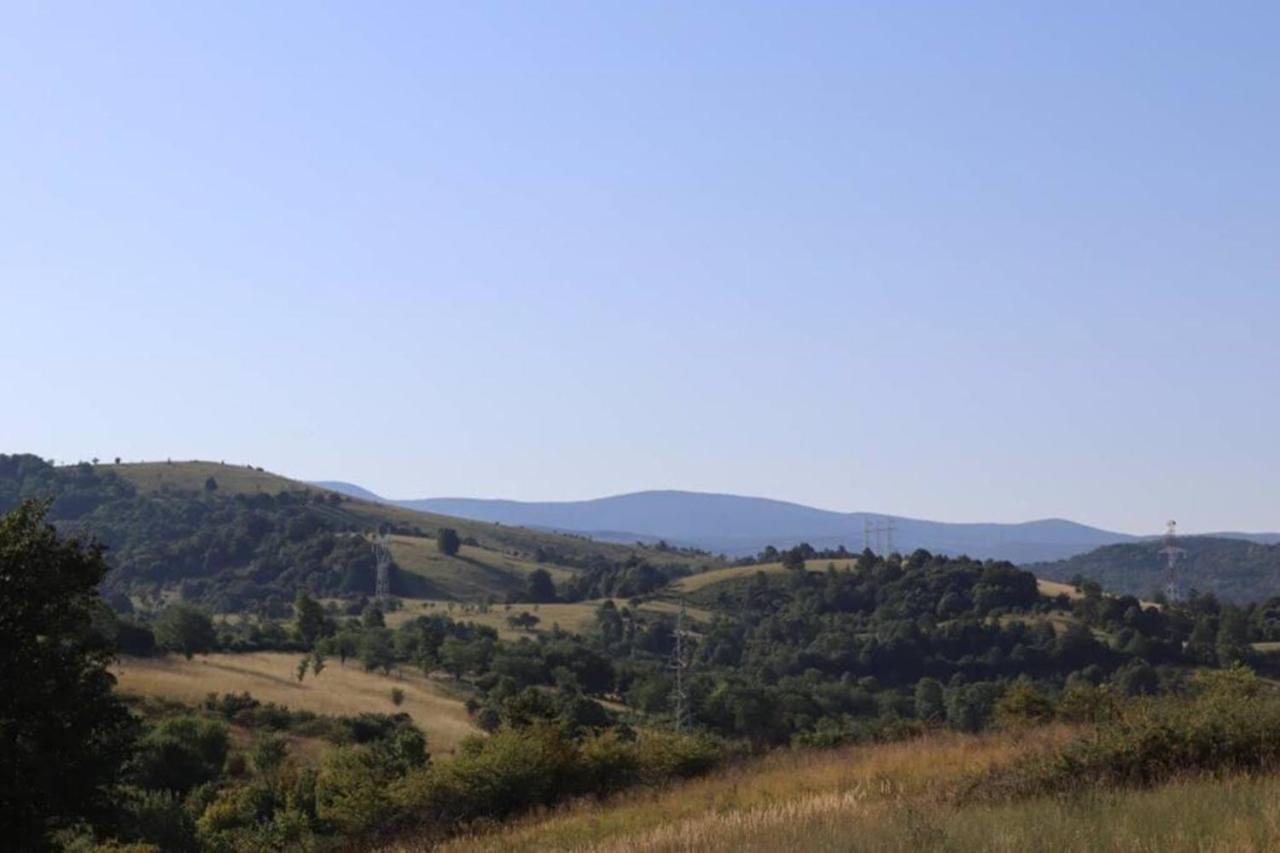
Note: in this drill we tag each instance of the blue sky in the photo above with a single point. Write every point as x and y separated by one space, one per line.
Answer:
985 261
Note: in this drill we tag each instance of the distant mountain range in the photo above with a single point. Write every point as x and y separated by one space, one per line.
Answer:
737 525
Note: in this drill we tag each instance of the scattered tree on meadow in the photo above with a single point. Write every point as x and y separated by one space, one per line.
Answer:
447 541
308 618
541 587
183 628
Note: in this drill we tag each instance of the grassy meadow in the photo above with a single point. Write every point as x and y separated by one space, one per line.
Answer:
271 677
900 797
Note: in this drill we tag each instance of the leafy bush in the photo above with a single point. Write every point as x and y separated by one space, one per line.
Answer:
181 753
1228 723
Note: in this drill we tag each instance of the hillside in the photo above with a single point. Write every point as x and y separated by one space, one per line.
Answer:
234 537
269 677
737 525
1232 569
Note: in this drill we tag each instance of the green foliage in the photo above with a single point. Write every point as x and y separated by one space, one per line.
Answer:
181 753
1229 723
309 618
930 700
63 736
268 754
1233 569
1023 705
185 629
448 541
156 817
542 588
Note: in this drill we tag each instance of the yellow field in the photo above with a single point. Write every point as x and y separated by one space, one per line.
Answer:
576 618
270 677
473 574
693 583
190 476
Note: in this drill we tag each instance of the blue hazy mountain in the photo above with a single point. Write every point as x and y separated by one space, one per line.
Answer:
737 525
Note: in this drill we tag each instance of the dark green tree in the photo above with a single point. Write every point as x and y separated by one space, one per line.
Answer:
64 737
185 629
447 541
541 587
211 485
308 618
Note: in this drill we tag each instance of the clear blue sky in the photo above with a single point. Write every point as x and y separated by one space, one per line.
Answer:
981 261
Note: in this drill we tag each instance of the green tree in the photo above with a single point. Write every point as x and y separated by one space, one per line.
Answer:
377 650
211 485
308 618
64 737
930 700
185 629
541 587
447 541
372 617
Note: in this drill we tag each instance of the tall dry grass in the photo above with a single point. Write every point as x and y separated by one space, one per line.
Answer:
785 788
900 797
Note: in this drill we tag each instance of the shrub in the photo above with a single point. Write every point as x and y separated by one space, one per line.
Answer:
664 756
1227 725
181 753
513 770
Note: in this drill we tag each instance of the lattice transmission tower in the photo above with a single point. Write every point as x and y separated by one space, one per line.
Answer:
382 557
1172 553
681 663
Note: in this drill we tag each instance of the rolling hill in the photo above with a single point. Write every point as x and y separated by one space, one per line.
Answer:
1232 569
737 525
235 537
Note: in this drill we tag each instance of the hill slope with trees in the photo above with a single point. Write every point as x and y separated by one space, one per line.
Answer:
1231 569
233 538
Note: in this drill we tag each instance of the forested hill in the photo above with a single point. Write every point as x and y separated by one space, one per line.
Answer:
1231 569
235 537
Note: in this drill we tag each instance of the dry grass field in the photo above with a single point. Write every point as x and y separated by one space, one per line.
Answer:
191 476
576 618
693 583
270 677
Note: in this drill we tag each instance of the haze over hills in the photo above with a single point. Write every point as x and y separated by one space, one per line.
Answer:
738 525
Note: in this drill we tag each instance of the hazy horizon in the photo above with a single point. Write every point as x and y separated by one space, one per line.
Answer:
985 263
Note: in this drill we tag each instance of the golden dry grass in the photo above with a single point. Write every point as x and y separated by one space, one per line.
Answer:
693 583
576 617
270 677
725 810
191 475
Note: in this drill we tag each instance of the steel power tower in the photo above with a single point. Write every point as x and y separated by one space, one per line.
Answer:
382 556
1172 553
681 661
